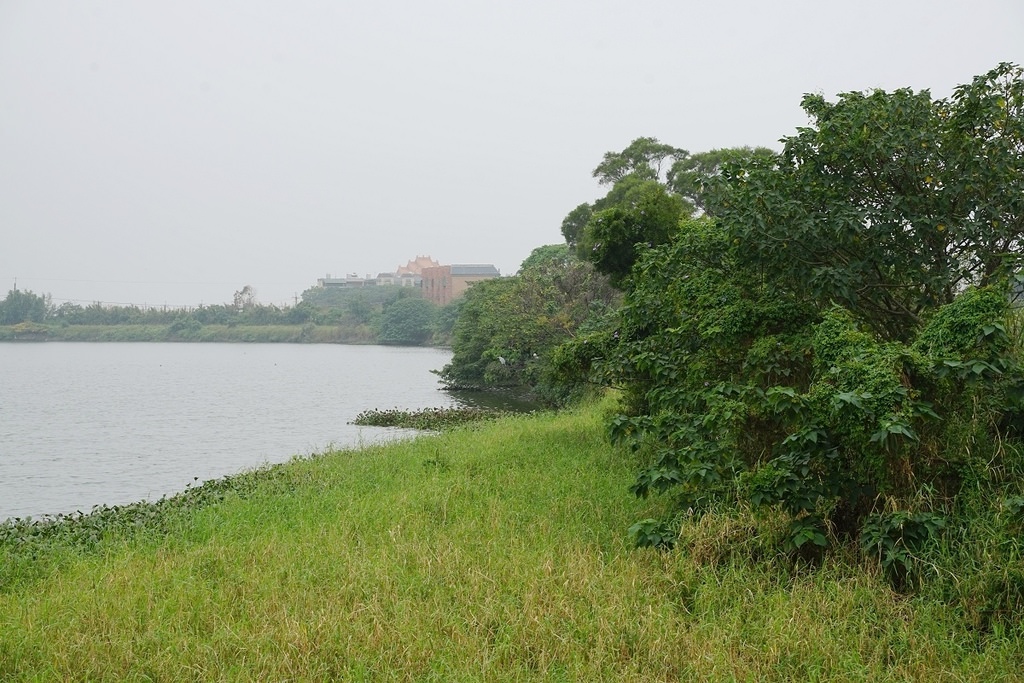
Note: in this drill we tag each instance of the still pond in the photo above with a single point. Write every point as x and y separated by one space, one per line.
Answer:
89 424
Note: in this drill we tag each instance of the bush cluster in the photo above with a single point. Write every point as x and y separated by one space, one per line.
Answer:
833 341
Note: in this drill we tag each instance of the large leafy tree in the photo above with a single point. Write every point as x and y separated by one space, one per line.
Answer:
575 223
831 340
653 186
889 203
645 158
645 217
637 212
508 327
551 256
407 321
693 176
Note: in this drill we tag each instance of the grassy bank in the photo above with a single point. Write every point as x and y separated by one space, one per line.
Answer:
495 552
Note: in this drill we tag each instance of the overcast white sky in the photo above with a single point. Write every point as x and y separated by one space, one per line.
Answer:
172 152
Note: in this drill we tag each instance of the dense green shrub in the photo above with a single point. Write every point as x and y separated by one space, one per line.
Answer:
837 344
735 390
409 321
508 328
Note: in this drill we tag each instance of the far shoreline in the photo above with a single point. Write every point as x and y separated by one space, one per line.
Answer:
214 333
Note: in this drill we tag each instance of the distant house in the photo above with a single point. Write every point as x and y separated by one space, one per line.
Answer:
440 284
349 281
415 266
328 281
443 284
411 274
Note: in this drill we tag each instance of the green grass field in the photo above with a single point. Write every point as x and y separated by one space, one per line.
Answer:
496 552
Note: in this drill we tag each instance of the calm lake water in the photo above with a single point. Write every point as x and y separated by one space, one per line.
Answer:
89 424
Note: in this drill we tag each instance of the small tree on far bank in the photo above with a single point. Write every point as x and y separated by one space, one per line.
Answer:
24 306
407 321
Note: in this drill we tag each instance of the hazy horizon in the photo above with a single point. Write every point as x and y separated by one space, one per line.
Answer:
173 153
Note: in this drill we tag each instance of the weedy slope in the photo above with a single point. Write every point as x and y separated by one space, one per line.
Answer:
493 552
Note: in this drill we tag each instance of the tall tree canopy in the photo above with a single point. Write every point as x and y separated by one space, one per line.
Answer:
889 203
653 187
575 223
638 209
646 215
692 177
645 158
833 340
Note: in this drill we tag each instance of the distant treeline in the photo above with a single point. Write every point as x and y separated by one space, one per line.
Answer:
383 314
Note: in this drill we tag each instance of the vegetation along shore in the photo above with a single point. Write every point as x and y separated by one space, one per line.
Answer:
495 551
806 365
367 315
